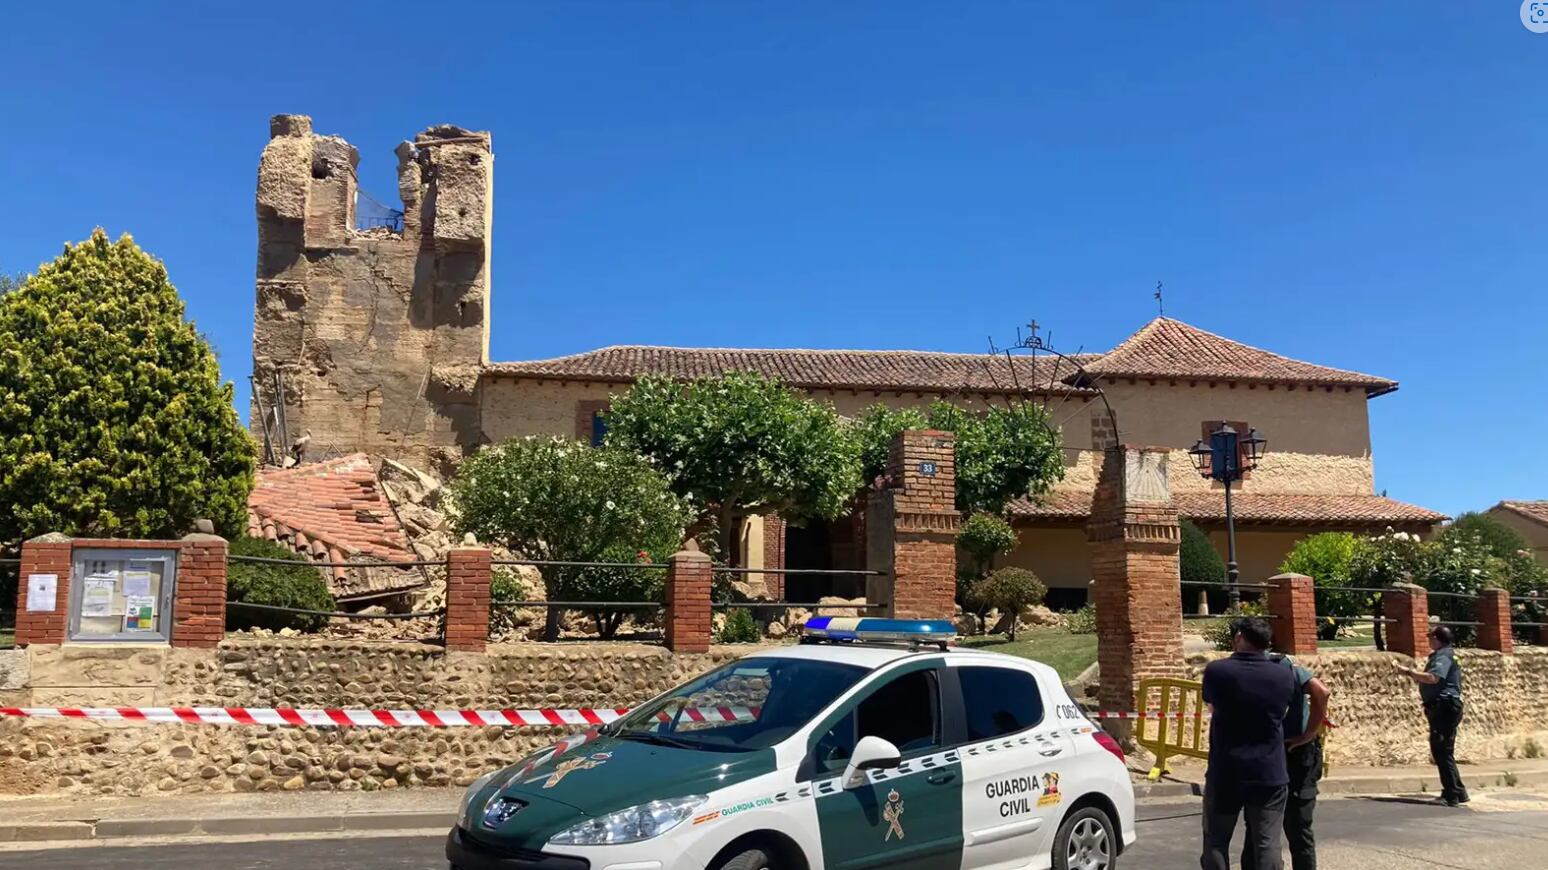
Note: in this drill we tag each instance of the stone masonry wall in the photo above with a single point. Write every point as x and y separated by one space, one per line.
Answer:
75 757
380 335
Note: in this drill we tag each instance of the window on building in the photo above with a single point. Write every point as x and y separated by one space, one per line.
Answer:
598 428
999 701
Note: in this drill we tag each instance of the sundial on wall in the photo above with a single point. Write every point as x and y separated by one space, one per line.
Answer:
1144 478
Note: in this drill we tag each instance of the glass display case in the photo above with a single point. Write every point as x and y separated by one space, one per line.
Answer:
122 595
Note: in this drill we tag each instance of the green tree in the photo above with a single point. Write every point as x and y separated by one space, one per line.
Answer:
298 586
984 536
1197 559
1500 540
874 427
740 444
1329 558
113 417
11 282
553 499
1003 453
1009 590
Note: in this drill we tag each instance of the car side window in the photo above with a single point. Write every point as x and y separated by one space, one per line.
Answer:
905 712
999 701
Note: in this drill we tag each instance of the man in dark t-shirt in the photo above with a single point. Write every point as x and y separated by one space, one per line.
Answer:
1248 696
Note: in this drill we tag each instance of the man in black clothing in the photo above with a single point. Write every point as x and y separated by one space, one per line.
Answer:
1440 688
1248 696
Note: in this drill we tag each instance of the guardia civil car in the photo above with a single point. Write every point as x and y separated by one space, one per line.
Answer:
870 744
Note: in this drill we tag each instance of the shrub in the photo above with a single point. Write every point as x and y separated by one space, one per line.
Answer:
739 627
113 418
554 499
1082 621
1009 590
1198 560
984 536
1499 539
1218 632
299 585
1328 558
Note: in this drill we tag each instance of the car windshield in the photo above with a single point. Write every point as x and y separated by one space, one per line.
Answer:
749 704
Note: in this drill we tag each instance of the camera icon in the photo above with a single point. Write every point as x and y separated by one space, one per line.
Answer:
1534 15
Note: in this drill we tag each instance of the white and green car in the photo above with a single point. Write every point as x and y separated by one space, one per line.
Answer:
854 753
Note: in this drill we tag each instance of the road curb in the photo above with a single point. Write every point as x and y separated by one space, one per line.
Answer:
1493 776
116 829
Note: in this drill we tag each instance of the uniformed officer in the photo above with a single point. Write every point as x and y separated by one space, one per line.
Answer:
1440 688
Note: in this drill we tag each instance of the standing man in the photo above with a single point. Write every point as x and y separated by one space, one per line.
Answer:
1440 688
1303 758
1248 696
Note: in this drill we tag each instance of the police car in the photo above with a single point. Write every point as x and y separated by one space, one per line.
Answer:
870 744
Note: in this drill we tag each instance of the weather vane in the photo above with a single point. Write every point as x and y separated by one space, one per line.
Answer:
1160 303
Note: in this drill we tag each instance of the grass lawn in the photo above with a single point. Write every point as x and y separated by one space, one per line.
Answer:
1069 654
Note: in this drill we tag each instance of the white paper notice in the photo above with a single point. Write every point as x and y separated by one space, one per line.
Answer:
42 592
137 583
139 614
97 595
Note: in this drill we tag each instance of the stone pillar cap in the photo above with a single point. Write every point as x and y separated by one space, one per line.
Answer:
51 538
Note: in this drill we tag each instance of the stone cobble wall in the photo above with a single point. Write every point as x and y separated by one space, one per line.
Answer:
1381 723
107 758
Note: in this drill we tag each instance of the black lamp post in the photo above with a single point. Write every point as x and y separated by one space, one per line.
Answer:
1226 457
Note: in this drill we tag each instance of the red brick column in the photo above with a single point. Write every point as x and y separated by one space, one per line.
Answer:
468 574
1134 537
49 554
1408 606
911 528
1293 602
774 555
199 598
688 601
1494 613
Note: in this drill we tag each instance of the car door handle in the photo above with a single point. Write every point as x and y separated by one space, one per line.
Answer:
1050 753
941 778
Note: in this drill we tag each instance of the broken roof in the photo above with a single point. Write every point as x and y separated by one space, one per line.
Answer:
1164 348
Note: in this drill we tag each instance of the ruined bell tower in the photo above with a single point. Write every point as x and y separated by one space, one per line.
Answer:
372 339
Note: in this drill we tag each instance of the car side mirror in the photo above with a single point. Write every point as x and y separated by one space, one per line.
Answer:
871 753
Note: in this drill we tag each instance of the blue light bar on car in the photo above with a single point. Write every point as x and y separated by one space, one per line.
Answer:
875 629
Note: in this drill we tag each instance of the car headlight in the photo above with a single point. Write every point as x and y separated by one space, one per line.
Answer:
631 825
467 800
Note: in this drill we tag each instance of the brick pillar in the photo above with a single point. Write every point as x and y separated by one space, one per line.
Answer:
1494 613
774 555
1134 537
1408 606
1293 602
199 602
688 601
49 554
468 574
911 528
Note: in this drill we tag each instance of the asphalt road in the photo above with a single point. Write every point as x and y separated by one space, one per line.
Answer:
1503 830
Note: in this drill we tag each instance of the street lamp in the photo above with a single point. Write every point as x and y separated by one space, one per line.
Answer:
1225 457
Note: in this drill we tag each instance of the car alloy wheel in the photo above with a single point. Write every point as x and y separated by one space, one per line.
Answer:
1089 847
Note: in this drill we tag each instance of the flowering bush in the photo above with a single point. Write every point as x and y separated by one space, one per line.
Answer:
554 499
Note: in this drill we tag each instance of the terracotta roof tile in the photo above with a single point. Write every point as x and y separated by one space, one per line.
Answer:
813 369
1537 511
334 507
1251 507
1173 349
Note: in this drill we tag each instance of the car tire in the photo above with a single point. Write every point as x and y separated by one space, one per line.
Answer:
1085 842
752 859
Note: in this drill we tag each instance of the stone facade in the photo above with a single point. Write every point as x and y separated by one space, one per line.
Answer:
380 334
41 756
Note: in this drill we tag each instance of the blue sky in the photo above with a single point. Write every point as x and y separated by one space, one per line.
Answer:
1361 185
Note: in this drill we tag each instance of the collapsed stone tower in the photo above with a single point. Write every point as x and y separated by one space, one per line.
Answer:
372 340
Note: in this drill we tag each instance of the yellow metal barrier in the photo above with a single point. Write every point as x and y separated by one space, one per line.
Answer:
1173 722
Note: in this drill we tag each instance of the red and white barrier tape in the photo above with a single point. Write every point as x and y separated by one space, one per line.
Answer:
365 718
415 718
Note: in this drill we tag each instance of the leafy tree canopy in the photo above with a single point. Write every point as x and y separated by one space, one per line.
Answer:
1198 560
1500 539
1003 453
984 536
113 417
1329 559
740 443
554 499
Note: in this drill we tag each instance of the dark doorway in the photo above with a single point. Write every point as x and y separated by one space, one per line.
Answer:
820 545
